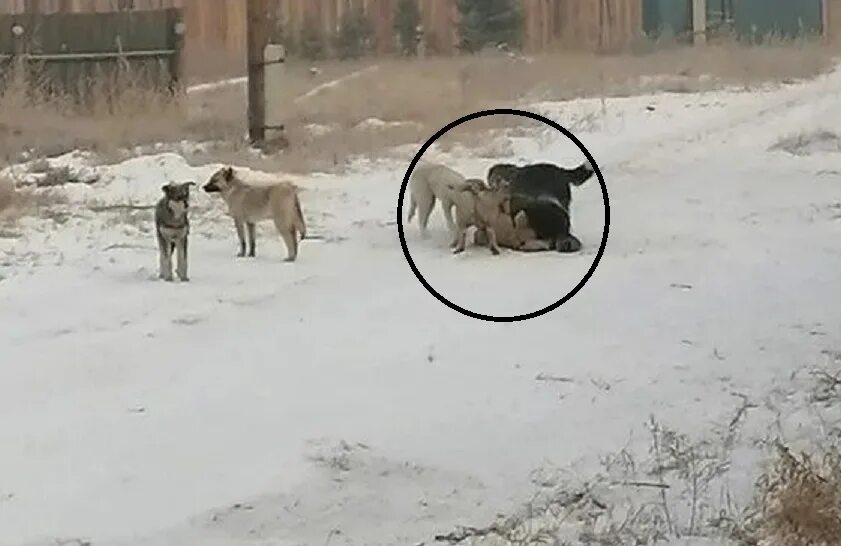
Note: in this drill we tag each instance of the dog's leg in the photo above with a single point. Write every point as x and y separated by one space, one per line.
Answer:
252 239
291 241
568 244
461 241
287 231
165 254
425 209
241 236
455 235
566 241
447 207
492 242
182 260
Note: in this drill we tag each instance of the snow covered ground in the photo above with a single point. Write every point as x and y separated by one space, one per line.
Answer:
335 401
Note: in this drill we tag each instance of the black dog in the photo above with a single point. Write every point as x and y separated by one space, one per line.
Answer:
501 175
543 191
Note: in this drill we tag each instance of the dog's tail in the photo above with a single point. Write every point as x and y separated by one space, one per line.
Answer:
300 222
582 173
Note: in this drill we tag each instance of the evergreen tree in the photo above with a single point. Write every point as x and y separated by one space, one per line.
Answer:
406 21
489 22
355 35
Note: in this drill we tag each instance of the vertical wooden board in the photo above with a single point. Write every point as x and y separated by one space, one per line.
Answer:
635 17
537 23
210 16
551 21
201 28
833 27
6 22
617 30
533 30
238 17
383 13
441 26
331 16
574 23
427 10
560 18
192 18
449 28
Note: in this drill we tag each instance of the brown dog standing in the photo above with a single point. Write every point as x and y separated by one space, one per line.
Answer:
251 203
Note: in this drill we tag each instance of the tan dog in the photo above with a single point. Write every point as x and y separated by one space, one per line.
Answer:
251 203
431 181
478 206
489 211
514 233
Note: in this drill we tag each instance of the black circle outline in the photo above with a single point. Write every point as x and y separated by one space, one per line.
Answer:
430 142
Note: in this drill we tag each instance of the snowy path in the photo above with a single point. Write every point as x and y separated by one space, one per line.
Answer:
129 407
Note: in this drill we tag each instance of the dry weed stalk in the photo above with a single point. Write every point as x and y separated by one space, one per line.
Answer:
8 194
799 500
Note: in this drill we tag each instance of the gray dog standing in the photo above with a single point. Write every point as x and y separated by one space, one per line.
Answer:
172 227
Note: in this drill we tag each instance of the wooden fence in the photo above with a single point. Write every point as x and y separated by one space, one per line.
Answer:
582 24
72 53
86 6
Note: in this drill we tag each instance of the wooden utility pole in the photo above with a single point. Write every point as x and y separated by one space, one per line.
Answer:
257 32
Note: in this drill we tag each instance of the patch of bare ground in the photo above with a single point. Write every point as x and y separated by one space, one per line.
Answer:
378 104
16 203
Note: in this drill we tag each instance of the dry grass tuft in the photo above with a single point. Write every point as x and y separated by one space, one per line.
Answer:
8 195
423 95
801 500
430 93
48 125
16 203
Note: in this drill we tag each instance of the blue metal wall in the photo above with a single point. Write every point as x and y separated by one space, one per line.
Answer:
756 19
667 17
752 20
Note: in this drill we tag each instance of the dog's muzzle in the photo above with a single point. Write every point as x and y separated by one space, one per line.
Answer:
178 206
210 188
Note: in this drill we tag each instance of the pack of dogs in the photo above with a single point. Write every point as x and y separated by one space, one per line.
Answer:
247 203
519 207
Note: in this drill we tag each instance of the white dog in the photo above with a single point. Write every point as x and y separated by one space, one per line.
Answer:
431 181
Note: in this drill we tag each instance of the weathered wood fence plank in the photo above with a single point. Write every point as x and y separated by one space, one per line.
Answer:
610 24
70 53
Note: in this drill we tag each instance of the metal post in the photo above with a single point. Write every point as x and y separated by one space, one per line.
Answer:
19 49
257 31
699 22
176 62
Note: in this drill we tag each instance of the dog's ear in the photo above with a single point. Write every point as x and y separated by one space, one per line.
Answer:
167 188
228 173
190 184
